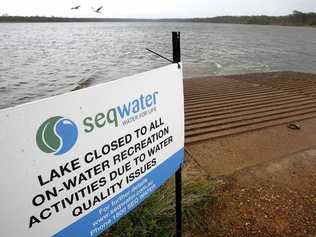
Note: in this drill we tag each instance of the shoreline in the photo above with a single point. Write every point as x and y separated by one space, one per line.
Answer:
297 18
155 21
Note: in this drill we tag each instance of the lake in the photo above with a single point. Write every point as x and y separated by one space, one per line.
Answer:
39 60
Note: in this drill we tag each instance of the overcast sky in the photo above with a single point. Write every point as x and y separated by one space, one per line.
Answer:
154 8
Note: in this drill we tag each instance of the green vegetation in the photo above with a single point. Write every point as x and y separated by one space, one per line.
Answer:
295 19
156 216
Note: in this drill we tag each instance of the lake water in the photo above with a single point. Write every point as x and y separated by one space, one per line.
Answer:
41 60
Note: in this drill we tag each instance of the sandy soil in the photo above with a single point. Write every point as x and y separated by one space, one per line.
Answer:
277 198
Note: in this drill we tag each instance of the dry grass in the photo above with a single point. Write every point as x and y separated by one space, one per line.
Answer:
156 216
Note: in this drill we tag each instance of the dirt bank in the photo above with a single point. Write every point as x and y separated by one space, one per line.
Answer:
277 198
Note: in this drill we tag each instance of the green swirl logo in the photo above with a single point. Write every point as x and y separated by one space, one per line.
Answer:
57 135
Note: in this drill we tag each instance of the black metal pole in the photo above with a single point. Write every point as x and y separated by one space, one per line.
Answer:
176 47
177 59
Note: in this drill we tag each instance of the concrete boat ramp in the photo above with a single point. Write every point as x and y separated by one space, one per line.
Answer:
232 122
221 106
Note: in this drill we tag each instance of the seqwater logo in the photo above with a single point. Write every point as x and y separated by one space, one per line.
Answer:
57 135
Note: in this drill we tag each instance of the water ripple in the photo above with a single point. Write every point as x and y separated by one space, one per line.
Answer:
42 60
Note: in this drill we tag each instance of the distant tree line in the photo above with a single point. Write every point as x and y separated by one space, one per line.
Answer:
295 19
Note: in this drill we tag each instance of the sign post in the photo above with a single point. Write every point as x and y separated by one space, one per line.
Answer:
178 178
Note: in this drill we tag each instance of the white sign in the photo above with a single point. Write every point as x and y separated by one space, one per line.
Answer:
73 165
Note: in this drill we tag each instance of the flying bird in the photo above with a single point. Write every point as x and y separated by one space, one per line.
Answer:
98 10
76 7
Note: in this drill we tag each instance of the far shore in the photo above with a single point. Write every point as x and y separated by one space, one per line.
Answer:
295 19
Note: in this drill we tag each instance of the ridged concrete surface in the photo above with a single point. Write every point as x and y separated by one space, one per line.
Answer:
221 106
